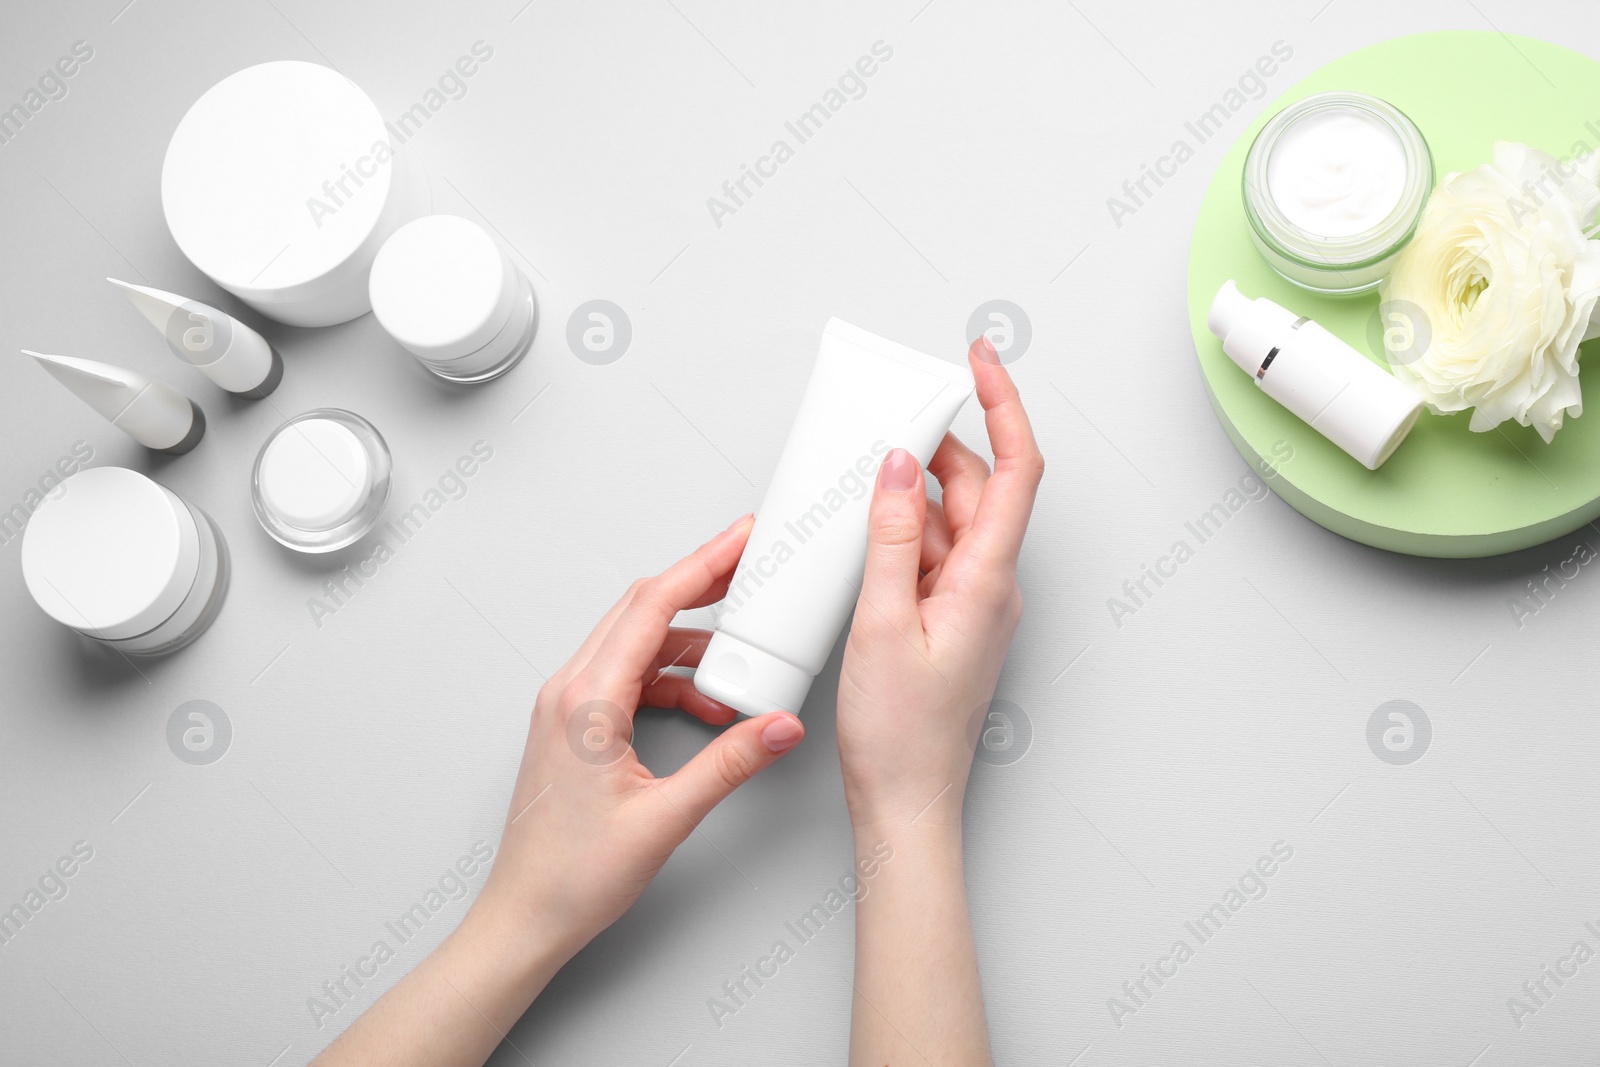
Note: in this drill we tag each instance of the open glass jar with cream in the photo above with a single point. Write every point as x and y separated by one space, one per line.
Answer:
1333 187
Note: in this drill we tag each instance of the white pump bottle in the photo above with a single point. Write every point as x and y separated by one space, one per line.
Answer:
1339 392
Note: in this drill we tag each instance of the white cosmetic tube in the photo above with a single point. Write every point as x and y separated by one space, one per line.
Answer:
224 349
801 571
152 413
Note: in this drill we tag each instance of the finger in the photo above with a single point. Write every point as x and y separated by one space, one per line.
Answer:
641 628
894 541
677 691
737 755
962 473
580 659
719 586
937 540
1008 496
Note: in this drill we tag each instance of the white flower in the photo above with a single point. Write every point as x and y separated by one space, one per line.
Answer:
1502 283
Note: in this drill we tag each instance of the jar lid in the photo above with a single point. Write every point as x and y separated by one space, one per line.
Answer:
321 480
276 176
443 287
314 474
113 556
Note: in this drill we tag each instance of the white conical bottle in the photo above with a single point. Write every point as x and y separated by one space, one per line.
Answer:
224 349
155 415
1340 393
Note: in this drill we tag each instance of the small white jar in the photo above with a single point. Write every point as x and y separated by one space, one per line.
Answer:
321 480
1334 186
451 296
282 182
126 562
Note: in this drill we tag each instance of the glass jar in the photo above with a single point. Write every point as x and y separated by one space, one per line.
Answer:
1334 186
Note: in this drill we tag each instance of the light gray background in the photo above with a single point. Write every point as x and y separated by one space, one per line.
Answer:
1167 754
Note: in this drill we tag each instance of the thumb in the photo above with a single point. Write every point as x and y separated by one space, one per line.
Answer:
737 755
894 540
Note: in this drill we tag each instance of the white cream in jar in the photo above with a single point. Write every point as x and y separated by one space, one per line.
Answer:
1333 188
1337 173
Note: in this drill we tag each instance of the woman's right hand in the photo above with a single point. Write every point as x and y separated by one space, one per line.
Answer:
938 606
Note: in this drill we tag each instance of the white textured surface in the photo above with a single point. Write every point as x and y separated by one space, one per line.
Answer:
369 753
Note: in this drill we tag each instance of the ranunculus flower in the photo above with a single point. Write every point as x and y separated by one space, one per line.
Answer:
1501 284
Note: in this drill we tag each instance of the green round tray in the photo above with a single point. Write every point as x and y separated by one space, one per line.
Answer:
1447 492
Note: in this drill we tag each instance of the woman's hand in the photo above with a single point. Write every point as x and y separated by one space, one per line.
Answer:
588 828
589 825
938 606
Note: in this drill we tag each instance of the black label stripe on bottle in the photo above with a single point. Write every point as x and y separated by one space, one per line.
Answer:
1261 372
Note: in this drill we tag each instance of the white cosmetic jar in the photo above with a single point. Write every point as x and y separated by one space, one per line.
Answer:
281 183
321 480
126 562
1334 186
451 296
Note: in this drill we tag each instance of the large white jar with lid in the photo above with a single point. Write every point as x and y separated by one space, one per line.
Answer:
125 561
282 182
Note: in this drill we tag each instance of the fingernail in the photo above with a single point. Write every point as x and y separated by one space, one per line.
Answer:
899 471
782 733
983 348
740 521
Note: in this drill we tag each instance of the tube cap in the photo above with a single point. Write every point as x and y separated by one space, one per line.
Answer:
749 680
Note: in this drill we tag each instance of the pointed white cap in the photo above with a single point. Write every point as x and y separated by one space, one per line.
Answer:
107 389
225 350
156 305
176 317
155 415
